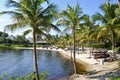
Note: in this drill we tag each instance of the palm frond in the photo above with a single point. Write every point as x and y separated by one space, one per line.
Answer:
27 32
112 21
55 28
14 26
78 10
12 3
51 9
99 17
66 15
62 23
42 1
67 29
102 32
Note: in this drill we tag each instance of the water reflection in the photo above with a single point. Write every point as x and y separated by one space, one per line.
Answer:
20 62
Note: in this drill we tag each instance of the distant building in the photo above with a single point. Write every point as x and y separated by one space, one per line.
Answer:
11 37
41 42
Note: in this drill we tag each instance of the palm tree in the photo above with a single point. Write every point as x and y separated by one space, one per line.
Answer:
79 35
89 29
110 19
31 13
71 19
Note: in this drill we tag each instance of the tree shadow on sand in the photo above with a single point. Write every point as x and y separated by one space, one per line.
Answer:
104 76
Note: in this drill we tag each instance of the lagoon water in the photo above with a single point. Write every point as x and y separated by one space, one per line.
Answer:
20 62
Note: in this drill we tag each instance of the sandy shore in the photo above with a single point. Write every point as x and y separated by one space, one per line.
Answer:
96 70
94 67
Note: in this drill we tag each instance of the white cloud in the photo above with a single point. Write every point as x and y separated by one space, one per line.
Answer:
2 20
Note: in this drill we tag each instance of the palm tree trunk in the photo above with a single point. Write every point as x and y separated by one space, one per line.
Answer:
74 57
119 3
113 44
71 52
3 37
82 45
35 56
90 48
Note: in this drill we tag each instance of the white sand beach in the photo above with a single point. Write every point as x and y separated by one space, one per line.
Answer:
94 66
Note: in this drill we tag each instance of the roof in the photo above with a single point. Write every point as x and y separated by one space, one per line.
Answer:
41 42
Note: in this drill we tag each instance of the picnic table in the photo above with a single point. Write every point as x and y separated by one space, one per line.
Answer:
98 54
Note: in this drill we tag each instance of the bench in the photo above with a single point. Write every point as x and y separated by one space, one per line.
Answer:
98 54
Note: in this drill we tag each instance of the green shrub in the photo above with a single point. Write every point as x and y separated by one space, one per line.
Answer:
115 78
5 46
21 45
42 76
101 46
98 45
118 49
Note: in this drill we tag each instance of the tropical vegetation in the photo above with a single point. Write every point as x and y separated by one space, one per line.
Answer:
31 13
70 18
110 20
42 76
102 30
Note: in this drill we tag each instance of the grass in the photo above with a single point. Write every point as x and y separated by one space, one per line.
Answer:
5 46
115 78
13 46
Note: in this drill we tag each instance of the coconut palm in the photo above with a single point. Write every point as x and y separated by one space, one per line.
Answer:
71 19
110 20
89 30
31 13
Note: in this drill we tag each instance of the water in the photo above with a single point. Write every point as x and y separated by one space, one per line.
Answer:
20 62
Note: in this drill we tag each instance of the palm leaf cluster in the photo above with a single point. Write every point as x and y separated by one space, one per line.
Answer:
110 19
31 13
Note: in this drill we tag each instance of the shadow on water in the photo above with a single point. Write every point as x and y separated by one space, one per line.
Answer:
81 67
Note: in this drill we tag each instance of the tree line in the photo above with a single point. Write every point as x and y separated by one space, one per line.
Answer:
5 38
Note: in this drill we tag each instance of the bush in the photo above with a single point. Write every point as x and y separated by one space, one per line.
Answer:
5 46
42 76
21 45
101 46
115 78
118 49
98 45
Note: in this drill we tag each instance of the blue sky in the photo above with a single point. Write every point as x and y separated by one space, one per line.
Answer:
88 6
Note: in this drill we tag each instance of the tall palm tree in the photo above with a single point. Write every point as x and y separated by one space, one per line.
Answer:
31 13
110 20
71 19
89 30
79 37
